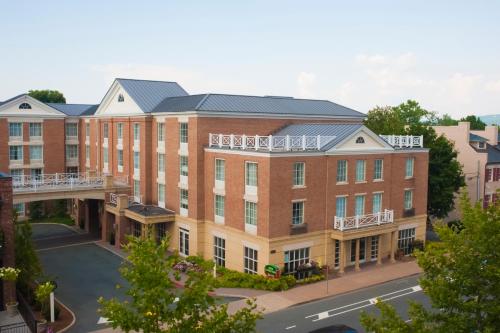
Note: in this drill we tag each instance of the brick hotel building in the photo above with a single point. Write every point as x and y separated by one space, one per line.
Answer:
243 180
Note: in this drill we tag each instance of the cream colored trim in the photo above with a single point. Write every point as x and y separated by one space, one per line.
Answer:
182 119
375 192
251 245
183 226
408 226
298 246
219 234
251 198
299 200
219 191
21 119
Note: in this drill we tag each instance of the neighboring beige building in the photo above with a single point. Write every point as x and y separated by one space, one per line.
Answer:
479 154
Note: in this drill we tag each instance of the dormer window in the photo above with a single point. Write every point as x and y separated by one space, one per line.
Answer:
120 98
360 139
481 145
24 106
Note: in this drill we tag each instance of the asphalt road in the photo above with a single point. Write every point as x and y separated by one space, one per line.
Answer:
344 309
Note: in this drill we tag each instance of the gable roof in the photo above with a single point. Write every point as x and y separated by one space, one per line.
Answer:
493 154
331 134
255 104
72 109
476 138
148 94
12 98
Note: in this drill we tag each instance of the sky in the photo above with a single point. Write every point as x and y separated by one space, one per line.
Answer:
361 54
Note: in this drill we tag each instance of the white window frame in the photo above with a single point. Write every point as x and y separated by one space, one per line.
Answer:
299 174
71 151
360 171
71 130
219 208
35 130
137 190
295 258
378 173
220 251
341 202
119 131
408 199
409 167
377 200
119 159
161 195
20 156
137 132
15 128
183 201
342 171
220 170
298 208
250 260
33 149
183 132
160 133
183 242
105 130
20 208
160 159
251 221
405 238
359 204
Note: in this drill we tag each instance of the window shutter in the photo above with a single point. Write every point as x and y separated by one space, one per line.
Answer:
486 200
494 198
488 175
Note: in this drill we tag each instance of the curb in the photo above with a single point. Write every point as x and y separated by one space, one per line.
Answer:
72 313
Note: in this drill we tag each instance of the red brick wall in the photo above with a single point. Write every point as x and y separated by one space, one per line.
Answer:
8 231
4 148
54 136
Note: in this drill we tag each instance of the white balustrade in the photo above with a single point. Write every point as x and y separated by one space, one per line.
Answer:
113 199
268 142
404 141
362 221
55 181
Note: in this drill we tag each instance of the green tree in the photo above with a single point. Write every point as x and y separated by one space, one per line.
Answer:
445 172
152 307
475 123
26 258
36 210
48 96
447 120
461 277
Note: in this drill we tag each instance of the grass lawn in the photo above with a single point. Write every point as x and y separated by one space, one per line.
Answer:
55 219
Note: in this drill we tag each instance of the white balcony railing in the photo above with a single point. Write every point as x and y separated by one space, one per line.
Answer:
268 142
362 221
113 199
404 141
55 181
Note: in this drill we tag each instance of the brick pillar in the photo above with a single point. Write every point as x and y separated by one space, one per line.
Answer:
9 259
122 229
86 215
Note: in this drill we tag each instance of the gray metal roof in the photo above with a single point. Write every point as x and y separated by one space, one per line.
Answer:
338 131
493 154
256 104
476 138
72 109
148 94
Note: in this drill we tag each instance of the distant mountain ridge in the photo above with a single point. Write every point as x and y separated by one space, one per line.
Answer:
492 119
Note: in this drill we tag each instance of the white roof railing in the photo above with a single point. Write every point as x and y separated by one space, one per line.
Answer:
268 142
362 221
404 141
56 181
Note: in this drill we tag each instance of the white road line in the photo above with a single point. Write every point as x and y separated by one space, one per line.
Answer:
368 302
290 327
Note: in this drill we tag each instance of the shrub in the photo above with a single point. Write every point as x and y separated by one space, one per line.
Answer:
311 279
233 279
36 210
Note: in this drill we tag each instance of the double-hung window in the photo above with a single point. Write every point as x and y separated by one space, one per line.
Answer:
137 132
251 174
378 169
119 131
183 132
408 199
105 155
161 163
137 190
250 213
15 130
359 208
87 130
410 161
298 212
299 174
120 157
35 130
161 193
250 260
105 131
342 171
340 206
219 251
161 133
377 202
219 205
71 130
137 160
360 170
16 153
36 153
183 198
183 165
71 151
220 173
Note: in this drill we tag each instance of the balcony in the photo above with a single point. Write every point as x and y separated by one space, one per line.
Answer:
269 142
363 221
404 141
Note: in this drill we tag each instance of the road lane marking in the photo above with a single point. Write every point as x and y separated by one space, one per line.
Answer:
290 327
64 246
364 303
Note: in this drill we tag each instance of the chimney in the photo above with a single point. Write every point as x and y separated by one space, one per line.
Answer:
491 133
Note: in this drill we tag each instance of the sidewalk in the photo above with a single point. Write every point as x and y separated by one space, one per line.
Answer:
367 277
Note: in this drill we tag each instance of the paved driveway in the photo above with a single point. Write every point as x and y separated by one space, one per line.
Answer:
83 273
47 235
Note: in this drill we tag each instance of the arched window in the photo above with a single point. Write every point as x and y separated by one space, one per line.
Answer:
360 139
120 98
24 106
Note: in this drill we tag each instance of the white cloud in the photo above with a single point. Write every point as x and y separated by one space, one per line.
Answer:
306 83
493 86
